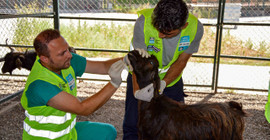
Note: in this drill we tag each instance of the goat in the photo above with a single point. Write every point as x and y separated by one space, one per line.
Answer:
13 60
165 119
18 60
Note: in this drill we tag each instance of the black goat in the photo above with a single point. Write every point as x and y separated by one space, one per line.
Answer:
13 60
165 119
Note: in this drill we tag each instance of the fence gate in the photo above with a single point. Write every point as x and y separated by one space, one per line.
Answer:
233 56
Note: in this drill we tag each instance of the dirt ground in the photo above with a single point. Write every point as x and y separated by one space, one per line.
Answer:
12 114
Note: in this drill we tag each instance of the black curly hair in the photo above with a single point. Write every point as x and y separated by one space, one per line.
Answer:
169 15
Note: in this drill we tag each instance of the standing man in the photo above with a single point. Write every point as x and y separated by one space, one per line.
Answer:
172 34
267 106
49 98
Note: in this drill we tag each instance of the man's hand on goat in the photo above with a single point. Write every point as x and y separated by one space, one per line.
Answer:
115 73
145 94
142 52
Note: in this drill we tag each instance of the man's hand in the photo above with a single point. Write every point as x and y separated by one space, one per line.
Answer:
145 94
162 86
142 52
115 73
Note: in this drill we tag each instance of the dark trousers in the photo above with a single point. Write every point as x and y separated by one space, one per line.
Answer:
130 130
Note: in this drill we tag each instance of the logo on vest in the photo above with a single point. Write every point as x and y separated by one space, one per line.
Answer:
71 82
151 48
151 40
184 43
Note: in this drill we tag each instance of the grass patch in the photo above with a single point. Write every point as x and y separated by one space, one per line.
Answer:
99 36
114 36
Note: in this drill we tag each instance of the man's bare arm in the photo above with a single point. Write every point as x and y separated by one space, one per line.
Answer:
177 68
99 67
68 103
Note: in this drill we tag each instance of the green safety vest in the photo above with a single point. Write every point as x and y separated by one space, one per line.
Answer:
155 46
45 122
267 106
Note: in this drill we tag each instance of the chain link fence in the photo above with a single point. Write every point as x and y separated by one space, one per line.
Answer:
234 52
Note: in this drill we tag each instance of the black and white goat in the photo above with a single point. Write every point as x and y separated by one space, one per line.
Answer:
165 119
14 59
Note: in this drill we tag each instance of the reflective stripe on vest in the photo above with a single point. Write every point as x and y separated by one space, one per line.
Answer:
160 71
49 119
47 133
45 121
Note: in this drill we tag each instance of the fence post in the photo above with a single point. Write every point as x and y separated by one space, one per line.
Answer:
218 44
56 14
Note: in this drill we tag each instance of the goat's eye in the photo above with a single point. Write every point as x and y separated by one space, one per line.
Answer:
151 63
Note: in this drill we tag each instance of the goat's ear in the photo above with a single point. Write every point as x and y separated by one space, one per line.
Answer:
18 63
2 59
153 75
26 51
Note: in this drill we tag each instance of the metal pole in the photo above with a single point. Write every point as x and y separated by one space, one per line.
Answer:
218 44
56 14
11 96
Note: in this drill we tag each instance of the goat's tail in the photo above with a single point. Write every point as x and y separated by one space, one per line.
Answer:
238 108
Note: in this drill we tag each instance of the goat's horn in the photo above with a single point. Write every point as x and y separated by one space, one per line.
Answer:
11 49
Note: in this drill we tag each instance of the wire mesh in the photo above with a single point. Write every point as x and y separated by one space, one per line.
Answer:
22 20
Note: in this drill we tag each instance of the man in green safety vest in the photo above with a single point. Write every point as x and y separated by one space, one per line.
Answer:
267 106
49 98
172 34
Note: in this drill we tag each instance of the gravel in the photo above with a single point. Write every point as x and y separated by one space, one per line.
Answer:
12 114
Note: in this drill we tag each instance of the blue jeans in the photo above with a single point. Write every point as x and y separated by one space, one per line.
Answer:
130 130
95 131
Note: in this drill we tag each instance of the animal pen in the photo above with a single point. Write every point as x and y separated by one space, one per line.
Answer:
234 55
